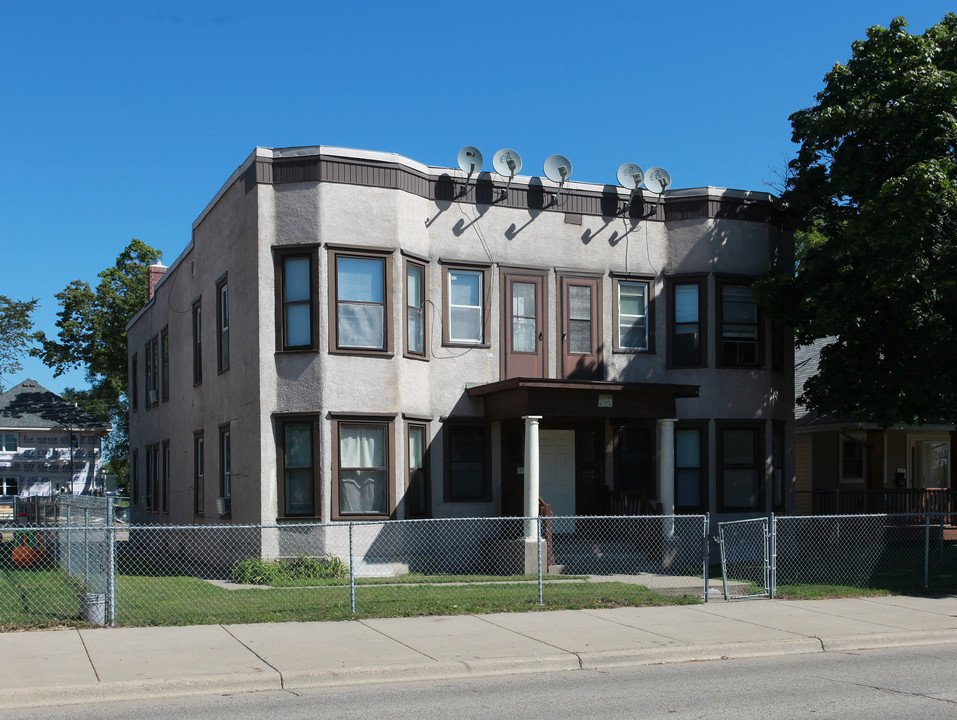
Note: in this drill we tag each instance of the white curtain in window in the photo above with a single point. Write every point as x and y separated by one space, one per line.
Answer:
363 478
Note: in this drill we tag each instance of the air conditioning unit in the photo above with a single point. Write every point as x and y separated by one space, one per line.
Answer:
223 505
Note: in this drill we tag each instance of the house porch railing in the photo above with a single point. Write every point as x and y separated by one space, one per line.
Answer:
890 500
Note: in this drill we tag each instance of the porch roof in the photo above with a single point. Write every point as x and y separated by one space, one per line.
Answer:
551 397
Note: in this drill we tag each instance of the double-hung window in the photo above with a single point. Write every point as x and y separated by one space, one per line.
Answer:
298 466
152 372
8 442
740 328
199 473
741 466
165 479
686 325
225 470
164 363
691 475
363 465
466 467
9 486
466 306
296 301
222 325
417 496
134 382
197 342
415 295
361 282
633 327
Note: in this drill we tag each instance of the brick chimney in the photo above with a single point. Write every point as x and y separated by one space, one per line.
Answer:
156 271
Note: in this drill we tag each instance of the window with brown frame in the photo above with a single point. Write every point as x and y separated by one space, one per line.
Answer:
199 473
363 487
465 310
164 363
418 501
298 466
416 329
741 466
633 315
297 295
691 467
687 326
467 477
360 287
197 342
222 325
739 333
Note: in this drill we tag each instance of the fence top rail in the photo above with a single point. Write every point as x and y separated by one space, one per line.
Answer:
859 516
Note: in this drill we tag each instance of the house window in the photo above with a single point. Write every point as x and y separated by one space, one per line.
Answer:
9 487
632 310
635 455
777 466
197 342
415 309
199 473
740 468
135 478
740 342
296 302
466 467
8 442
152 475
152 372
691 486
466 316
165 489
298 465
222 325
417 500
362 290
225 471
164 362
853 460
686 327
363 486
134 382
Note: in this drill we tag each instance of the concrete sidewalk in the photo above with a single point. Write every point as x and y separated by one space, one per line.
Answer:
71 666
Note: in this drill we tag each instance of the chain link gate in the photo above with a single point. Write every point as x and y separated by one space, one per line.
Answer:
747 556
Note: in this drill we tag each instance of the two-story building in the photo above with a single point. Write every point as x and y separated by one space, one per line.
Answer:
355 335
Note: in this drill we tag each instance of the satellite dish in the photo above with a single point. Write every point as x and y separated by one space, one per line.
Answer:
657 180
630 176
507 163
470 159
558 168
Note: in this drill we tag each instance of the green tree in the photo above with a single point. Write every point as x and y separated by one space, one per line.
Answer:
872 195
15 326
92 336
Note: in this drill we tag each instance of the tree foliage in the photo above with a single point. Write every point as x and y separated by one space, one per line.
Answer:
92 336
15 325
872 195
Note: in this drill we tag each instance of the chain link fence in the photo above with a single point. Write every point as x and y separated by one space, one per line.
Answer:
107 573
163 575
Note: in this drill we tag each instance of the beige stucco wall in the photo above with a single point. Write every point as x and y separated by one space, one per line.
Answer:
237 236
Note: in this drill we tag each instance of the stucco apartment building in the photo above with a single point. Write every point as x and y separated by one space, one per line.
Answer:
356 335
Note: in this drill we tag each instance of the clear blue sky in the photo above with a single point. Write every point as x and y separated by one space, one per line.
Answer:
123 119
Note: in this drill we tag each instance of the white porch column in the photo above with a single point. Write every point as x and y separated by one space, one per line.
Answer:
531 475
666 471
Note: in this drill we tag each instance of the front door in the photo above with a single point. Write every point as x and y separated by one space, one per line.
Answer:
556 474
523 326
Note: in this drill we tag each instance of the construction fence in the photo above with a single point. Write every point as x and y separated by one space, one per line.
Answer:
110 574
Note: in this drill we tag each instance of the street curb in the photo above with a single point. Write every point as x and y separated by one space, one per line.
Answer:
235 683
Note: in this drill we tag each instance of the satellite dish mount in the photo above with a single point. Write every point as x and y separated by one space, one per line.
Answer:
470 161
558 168
507 163
657 180
630 177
